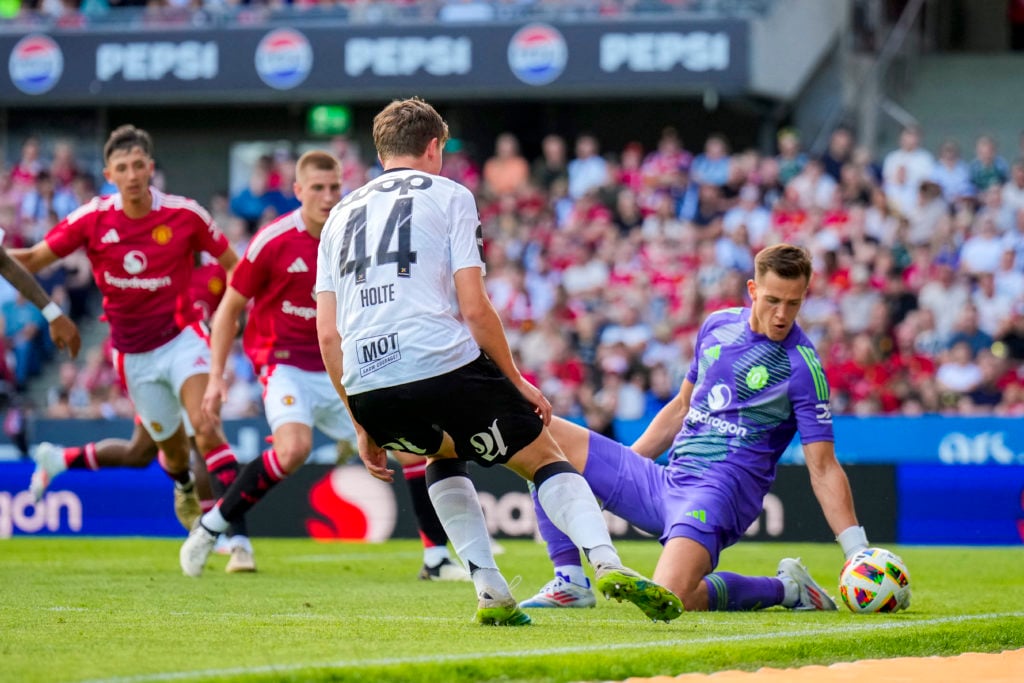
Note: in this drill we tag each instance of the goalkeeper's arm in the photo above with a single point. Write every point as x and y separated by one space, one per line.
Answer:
832 489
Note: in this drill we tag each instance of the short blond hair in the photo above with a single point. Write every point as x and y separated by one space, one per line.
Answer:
317 160
406 127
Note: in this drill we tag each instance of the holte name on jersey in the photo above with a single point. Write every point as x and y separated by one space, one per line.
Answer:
381 294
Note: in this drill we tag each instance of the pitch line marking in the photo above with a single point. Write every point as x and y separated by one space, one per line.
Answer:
440 659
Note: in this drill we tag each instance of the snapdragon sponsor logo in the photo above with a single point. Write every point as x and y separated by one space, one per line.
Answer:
19 512
150 284
697 416
305 312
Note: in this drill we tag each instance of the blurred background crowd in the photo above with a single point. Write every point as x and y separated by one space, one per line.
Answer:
72 14
604 262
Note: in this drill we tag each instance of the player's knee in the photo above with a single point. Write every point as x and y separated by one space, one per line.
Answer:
208 437
141 454
292 454
694 597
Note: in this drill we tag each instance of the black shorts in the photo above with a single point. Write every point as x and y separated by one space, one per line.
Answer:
482 410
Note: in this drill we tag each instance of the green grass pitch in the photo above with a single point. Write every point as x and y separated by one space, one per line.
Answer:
120 610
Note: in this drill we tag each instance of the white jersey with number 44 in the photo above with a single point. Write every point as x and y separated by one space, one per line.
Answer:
389 252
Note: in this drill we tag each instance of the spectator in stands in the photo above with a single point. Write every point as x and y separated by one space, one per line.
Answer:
552 164
952 174
908 165
1008 279
839 152
814 187
983 249
29 165
1013 190
459 166
588 170
22 326
711 167
253 201
855 304
353 170
967 330
660 167
790 157
42 204
958 373
987 169
507 172
1011 334
945 296
64 166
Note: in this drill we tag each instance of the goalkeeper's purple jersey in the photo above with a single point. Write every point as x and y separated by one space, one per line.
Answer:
751 395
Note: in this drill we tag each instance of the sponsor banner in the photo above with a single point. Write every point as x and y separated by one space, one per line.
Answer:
961 505
937 439
932 439
345 503
365 63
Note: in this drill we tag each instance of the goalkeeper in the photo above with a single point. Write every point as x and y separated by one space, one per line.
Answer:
755 381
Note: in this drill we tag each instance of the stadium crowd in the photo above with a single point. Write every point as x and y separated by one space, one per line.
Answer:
603 264
80 14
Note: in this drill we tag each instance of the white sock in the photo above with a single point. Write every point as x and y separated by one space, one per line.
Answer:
791 591
458 508
435 555
574 574
238 541
571 507
214 521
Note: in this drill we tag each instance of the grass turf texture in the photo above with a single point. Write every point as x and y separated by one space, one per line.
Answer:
120 610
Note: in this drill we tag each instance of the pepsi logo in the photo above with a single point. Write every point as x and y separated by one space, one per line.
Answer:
352 506
537 54
284 58
36 64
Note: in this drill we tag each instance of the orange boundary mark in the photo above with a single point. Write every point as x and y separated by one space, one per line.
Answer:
1002 667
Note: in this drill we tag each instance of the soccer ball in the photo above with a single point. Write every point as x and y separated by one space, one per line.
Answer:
875 580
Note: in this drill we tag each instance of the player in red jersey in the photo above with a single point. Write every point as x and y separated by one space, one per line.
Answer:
206 288
141 243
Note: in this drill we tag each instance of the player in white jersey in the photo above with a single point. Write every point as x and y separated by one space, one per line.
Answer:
415 378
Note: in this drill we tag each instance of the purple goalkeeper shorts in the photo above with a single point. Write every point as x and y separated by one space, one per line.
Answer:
668 502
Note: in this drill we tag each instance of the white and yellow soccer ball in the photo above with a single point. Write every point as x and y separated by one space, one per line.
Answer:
875 580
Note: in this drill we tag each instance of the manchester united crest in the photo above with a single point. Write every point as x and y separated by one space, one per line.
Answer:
162 234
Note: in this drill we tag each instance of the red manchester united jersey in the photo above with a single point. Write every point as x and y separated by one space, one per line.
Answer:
209 280
142 266
278 272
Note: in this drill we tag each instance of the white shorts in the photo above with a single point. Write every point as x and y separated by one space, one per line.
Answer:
154 379
304 397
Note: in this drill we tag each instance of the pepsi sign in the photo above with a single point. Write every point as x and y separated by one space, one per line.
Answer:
283 59
36 64
537 54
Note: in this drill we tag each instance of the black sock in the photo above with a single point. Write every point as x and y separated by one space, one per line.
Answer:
252 484
426 517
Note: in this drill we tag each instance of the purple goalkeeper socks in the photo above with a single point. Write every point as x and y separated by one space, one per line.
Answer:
728 592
